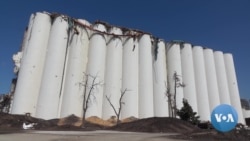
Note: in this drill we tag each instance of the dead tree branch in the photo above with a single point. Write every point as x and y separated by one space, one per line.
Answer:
172 96
88 92
117 113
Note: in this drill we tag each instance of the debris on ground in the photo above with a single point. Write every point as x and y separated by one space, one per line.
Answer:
17 123
29 125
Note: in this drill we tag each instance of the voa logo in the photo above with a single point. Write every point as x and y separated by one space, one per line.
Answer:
224 118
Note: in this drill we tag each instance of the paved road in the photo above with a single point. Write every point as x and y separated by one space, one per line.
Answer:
85 136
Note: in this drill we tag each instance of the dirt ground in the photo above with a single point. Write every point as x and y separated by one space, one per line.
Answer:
184 130
102 135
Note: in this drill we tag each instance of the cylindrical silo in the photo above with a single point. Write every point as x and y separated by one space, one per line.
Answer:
174 67
83 22
51 85
146 103
233 86
188 77
130 77
33 56
72 101
160 80
212 85
26 34
201 83
221 78
113 74
96 70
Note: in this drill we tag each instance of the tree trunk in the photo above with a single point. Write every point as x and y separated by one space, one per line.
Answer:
84 118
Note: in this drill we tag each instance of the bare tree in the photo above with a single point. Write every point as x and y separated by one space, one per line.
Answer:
169 100
172 96
88 92
117 113
177 84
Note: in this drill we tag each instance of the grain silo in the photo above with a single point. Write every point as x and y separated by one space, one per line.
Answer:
63 57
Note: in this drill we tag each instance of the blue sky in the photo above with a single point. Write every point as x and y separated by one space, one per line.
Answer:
218 24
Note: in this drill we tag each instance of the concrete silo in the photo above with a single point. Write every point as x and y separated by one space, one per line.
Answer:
221 78
188 76
212 85
96 69
113 73
72 99
233 86
53 72
201 83
64 58
32 62
160 80
130 72
174 67
146 105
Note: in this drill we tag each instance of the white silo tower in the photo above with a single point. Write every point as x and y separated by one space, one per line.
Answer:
146 105
113 73
72 99
188 75
233 86
174 67
96 69
53 72
221 78
212 85
160 80
32 62
130 73
201 83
